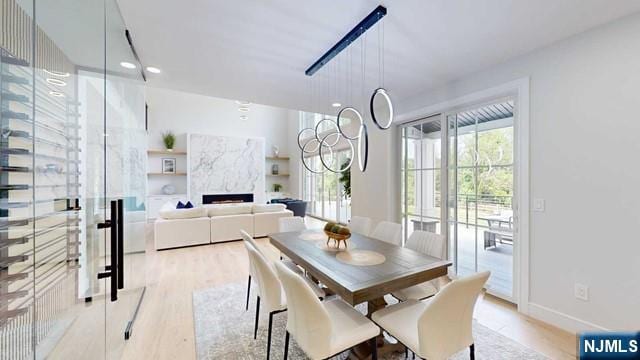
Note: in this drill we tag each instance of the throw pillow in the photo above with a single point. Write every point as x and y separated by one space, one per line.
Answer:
180 205
188 205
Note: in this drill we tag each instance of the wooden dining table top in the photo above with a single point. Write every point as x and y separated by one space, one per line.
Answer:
402 267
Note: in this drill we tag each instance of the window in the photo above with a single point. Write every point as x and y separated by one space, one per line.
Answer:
327 193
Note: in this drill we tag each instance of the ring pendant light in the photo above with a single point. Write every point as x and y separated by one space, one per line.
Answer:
304 163
319 142
381 92
336 132
334 158
363 142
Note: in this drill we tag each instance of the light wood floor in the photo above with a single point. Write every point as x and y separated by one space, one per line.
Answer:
164 328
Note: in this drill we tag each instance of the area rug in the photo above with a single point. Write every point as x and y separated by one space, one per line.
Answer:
224 330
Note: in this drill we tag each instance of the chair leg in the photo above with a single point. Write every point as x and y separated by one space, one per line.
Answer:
472 351
286 345
406 352
255 330
373 344
248 292
269 335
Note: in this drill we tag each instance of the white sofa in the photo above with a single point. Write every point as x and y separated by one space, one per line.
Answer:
215 223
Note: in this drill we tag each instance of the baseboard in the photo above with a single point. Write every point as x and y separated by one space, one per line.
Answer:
561 320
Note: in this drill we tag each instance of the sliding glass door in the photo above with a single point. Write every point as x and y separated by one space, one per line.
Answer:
481 190
463 172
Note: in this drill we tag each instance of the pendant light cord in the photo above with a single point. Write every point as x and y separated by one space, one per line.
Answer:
363 63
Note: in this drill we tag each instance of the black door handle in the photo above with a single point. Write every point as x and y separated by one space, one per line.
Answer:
120 244
112 269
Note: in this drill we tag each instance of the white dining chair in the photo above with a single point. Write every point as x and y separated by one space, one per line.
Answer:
292 223
322 329
438 327
270 292
388 231
430 244
249 239
360 225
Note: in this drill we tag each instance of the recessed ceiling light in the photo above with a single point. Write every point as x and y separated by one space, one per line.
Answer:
56 82
244 103
244 117
152 69
56 73
336 104
127 65
243 109
56 94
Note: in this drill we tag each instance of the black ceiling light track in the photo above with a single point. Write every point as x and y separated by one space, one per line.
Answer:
364 25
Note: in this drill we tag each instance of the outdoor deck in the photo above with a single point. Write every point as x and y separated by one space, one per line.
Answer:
498 259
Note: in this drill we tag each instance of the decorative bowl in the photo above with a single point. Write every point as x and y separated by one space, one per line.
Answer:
337 238
169 189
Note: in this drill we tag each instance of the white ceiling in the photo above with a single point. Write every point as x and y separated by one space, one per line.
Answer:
258 50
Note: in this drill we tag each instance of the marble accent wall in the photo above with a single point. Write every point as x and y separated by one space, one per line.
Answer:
225 165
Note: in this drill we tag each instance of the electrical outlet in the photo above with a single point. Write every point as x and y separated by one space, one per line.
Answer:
538 205
581 292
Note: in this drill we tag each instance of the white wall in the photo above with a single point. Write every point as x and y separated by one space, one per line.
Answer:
295 180
375 192
584 148
184 113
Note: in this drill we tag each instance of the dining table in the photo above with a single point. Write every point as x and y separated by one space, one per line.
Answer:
363 270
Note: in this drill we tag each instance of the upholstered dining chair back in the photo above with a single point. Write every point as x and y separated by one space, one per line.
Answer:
292 223
249 242
427 243
248 238
268 283
307 319
444 328
388 232
360 225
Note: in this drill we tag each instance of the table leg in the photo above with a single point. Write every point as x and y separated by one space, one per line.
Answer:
363 351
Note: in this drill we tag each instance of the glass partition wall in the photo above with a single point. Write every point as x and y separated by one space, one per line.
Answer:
463 172
72 147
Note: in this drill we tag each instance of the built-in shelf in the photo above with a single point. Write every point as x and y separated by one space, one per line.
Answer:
166 152
283 158
170 174
278 175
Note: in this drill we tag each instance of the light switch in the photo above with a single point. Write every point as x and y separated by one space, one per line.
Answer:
538 205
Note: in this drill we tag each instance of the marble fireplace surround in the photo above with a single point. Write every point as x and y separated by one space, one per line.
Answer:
225 165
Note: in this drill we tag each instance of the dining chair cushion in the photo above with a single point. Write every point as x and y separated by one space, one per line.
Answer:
430 244
321 329
349 327
438 327
264 275
272 256
388 231
416 292
360 225
401 321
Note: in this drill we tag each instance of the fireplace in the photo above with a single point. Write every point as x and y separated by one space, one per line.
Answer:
226 198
